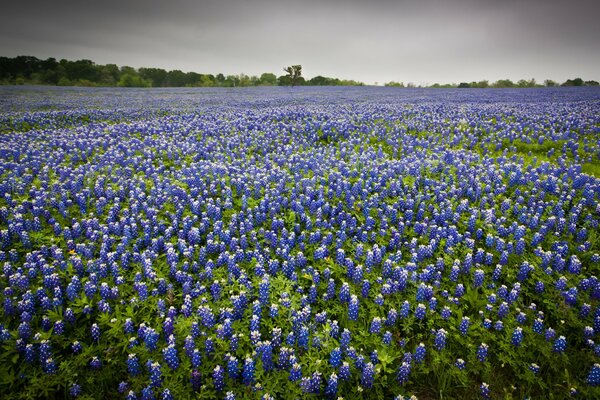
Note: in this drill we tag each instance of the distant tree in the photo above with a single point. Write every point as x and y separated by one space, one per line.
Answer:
208 80
244 80
268 79
319 81
464 85
192 79
133 80
49 71
157 76
82 70
549 83
284 80
176 78
231 81
591 83
504 83
294 72
64 82
573 82
108 74
394 84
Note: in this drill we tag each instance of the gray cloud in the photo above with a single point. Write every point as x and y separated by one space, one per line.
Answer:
418 41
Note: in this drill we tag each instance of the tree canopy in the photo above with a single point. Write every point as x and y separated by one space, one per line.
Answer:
294 73
31 70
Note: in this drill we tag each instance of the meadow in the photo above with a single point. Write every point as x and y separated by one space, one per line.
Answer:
282 243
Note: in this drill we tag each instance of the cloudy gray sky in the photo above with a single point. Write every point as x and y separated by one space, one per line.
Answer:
415 41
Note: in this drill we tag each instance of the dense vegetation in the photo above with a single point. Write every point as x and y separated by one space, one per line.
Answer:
308 243
503 84
31 70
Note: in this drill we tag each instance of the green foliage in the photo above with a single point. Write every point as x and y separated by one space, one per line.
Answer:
131 80
395 84
294 72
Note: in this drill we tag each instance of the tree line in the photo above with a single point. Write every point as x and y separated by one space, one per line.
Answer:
31 70
502 83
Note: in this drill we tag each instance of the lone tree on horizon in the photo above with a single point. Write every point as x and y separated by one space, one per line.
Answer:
294 73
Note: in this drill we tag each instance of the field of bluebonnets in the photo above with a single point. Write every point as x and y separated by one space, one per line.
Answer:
295 243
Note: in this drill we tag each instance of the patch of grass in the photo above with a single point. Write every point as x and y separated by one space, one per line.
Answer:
591 169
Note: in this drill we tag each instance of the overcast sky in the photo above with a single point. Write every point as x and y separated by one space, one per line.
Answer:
416 41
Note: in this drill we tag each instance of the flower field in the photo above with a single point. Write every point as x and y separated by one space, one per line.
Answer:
270 243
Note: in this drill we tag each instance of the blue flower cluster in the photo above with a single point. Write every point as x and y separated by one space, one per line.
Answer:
167 243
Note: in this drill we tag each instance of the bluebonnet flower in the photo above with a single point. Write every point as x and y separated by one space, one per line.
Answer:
230 396
482 352
345 338
560 344
344 293
375 325
419 355
166 395
75 390
218 378
593 378
196 380
367 376
484 390
155 374
353 308
440 339
95 363
387 338
232 366
517 336
30 356
366 289
76 347
196 358
263 291
133 365
344 371
95 332
248 372
335 357
478 278
459 291
150 338
209 346
49 366
446 312
533 367
168 327
403 373
460 364
405 309
331 387
465 323
128 326
420 311
295 373
170 356
503 310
